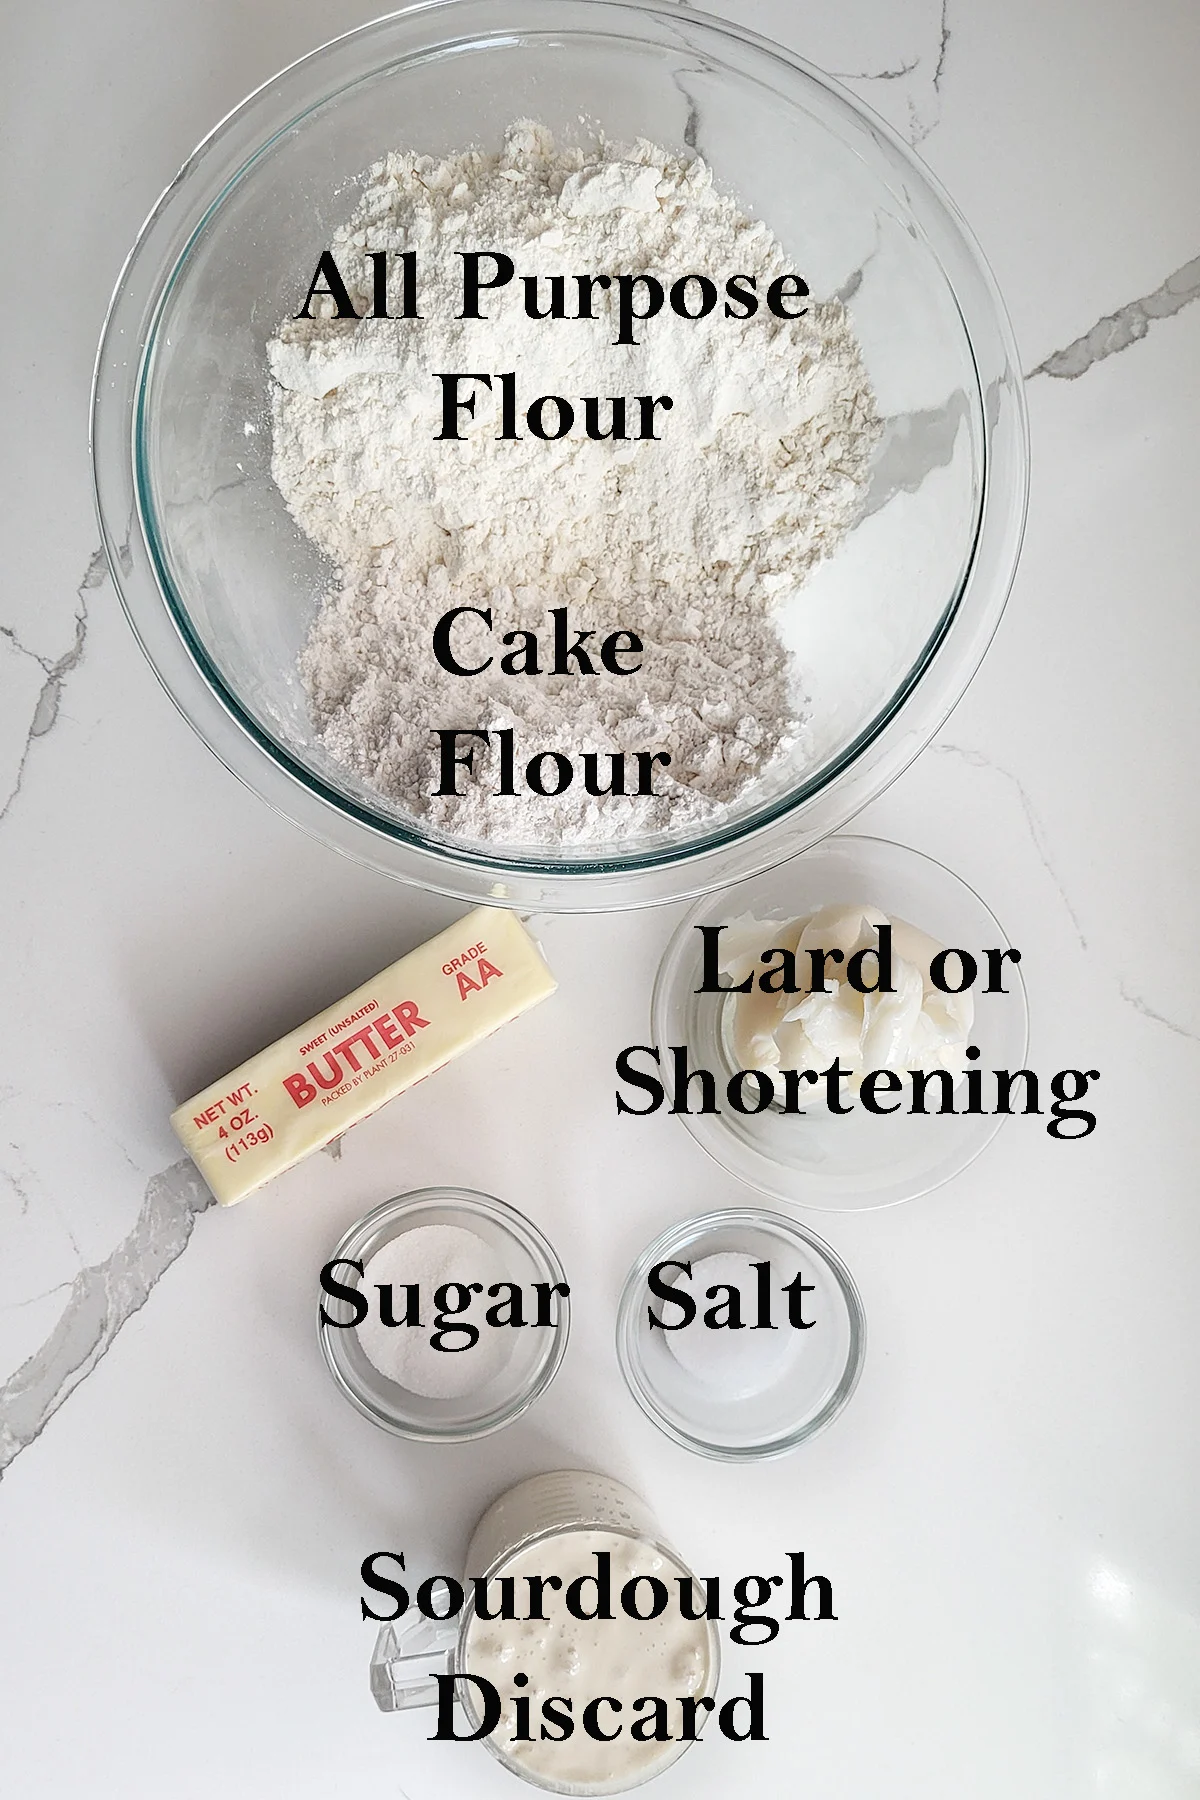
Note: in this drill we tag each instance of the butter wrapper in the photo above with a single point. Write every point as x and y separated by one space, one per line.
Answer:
384 1037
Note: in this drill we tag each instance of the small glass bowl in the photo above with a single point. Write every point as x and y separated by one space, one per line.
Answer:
858 1161
537 1352
808 1386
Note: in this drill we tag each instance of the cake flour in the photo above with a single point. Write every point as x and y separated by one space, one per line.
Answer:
691 541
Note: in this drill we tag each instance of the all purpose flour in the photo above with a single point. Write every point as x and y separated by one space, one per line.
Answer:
690 540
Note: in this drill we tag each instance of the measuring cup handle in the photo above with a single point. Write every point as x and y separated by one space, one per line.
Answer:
400 1681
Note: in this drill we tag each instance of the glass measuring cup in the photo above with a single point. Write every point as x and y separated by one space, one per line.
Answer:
541 1513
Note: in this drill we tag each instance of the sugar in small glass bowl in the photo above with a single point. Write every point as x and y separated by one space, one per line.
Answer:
513 1251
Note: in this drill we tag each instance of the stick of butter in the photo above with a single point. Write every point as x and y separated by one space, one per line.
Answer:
391 1032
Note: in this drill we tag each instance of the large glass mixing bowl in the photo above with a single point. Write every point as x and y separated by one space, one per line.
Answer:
221 586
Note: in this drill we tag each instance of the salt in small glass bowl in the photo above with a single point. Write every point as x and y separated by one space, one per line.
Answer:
813 1159
536 1353
813 1380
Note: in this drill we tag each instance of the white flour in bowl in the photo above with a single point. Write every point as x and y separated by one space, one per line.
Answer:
691 540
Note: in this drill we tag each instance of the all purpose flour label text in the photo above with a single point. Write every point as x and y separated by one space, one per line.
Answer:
572 429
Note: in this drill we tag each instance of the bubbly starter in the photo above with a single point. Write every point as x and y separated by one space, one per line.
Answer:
624 1657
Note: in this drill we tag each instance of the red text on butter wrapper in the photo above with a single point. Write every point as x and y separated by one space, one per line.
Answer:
378 1041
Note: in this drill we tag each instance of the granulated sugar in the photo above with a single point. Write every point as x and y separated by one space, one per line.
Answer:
691 541
421 1260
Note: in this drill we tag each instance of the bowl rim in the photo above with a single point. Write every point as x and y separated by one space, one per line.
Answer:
604 876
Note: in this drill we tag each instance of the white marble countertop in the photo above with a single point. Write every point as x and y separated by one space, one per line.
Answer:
1008 1509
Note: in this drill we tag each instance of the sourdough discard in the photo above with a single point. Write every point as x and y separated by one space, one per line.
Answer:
690 540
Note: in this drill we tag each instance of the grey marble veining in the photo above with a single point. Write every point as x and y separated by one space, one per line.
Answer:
939 67
921 125
45 710
896 74
1148 1012
100 1300
920 68
975 759
1128 325
923 99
